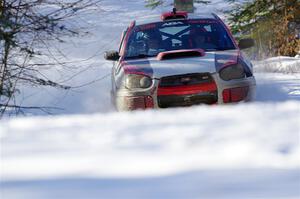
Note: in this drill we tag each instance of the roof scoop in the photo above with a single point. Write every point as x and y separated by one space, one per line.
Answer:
174 15
180 54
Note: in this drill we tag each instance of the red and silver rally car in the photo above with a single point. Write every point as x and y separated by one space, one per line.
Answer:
180 59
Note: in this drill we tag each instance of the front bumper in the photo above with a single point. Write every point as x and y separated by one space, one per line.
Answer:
232 91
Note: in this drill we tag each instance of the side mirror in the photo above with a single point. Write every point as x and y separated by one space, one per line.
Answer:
246 43
111 55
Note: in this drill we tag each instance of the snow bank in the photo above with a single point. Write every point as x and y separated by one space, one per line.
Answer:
152 143
279 64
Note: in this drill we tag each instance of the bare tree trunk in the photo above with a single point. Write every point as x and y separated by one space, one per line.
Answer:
2 66
3 71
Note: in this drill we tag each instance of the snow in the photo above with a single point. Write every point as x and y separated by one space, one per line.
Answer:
246 144
90 151
276 87
156 142
279 64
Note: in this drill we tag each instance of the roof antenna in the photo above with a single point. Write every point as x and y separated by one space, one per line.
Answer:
174 11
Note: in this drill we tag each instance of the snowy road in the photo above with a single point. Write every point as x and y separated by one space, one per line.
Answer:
242 151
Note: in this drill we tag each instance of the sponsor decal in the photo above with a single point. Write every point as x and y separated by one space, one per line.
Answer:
173 23
185 80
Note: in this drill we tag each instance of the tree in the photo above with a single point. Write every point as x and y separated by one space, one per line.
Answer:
27 27
154 3
270 22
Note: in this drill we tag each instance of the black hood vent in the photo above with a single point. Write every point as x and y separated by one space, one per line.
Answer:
180 54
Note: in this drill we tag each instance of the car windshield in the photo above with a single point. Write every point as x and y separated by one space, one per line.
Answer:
150 39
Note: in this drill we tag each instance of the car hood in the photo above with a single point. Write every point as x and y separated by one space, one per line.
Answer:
211 62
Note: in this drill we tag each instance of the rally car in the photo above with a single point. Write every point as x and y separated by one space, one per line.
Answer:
180 59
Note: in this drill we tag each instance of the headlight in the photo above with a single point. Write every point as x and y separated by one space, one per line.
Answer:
235 71
137 81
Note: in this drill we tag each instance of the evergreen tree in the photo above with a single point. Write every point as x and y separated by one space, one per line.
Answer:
272 23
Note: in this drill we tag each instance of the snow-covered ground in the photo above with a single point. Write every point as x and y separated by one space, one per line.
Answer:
234 151
242 151
280 64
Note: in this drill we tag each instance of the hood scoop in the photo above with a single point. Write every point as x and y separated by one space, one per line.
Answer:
180 54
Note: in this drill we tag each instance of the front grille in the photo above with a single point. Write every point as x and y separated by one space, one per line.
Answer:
187 90
187 79
187 100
